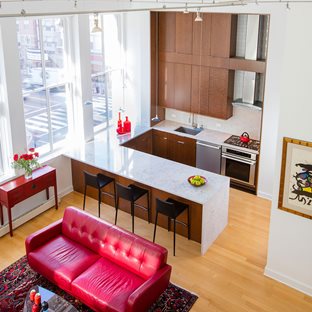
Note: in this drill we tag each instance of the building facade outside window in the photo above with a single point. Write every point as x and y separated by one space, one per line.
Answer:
43 53
106 68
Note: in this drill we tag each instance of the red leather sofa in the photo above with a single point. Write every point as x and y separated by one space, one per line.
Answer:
102 265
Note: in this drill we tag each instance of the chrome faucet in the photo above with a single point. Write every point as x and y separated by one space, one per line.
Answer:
194 124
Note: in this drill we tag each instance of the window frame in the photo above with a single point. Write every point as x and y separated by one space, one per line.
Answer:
51 146
107 73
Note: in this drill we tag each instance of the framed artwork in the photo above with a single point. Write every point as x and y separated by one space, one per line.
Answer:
295 194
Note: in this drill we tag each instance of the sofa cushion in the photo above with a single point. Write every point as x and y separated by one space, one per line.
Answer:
61 260
106 286
120 246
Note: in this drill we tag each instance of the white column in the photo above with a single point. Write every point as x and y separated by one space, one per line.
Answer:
83 113
12 108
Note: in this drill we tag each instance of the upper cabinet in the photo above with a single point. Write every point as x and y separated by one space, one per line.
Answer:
223 38
187 53
199 63
183 34
166 31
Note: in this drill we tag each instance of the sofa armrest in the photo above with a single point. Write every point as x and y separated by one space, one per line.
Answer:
143 297
40 237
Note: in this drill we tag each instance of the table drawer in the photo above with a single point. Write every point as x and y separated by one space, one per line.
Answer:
15 196
34 187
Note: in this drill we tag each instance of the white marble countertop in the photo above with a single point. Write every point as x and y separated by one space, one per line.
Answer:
105 152
207 135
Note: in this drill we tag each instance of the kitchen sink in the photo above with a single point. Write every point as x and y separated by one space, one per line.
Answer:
191 131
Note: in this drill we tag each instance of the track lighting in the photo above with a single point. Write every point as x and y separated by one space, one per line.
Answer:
287 6
96 27
198 17
186 11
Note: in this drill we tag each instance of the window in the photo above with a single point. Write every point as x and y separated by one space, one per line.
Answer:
45 85
2 163
106 68
1 134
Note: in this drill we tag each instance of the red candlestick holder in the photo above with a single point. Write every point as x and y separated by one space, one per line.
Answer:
32 295
37 299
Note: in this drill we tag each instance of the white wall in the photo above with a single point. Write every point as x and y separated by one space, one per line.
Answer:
290 248
137 57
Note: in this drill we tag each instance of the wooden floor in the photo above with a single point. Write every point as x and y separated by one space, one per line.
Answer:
230 275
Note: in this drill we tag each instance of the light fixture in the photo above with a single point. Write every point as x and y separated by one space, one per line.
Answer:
287 6
156 118
96 27
186 11
198 17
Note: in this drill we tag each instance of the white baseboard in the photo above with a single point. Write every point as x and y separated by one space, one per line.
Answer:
306 289
35 212
264 195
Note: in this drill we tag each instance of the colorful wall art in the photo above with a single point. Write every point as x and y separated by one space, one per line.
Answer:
295 193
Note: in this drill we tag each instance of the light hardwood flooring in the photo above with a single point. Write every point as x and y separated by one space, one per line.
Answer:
229 277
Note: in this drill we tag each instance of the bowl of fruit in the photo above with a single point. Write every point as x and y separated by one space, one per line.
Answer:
197 180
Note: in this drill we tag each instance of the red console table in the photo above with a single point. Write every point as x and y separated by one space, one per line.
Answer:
19 189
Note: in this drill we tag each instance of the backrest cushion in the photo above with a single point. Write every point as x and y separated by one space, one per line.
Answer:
126 249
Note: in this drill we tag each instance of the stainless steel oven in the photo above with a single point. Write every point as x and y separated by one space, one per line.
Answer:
239 165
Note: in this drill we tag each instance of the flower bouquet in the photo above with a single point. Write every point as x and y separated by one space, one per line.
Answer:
27 162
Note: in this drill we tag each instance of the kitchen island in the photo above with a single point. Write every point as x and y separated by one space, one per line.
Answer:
164 178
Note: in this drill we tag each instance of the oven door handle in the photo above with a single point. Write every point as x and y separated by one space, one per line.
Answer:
251 162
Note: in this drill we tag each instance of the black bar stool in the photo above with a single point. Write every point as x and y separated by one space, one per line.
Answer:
132 193
172 209
99 181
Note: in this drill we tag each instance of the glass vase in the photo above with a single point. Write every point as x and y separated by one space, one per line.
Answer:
28 174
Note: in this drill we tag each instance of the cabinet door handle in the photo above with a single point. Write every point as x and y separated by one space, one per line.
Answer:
180 142
33 186
165 138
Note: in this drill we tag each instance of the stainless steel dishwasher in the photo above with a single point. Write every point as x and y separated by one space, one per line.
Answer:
208 156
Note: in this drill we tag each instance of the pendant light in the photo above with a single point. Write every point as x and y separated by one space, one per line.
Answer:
186 11
96 27
198 17
156 118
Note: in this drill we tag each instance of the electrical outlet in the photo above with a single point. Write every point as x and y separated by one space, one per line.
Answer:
218 125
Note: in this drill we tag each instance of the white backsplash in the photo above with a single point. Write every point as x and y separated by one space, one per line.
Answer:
243 119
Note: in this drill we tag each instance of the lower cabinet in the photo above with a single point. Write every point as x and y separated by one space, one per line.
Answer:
166 145
142 143
174 147
160 144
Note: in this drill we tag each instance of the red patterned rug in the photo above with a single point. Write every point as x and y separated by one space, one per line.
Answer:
18 278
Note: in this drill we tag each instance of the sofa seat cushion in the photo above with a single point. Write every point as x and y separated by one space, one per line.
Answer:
106 286
61 260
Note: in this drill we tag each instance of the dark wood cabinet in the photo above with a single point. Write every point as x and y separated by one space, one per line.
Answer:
221 84
142 143
189 55
160 144
181 87
166 84
223 38
174 147
166 145
174 85
201 36
200 90
167 31
182 150
183 33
